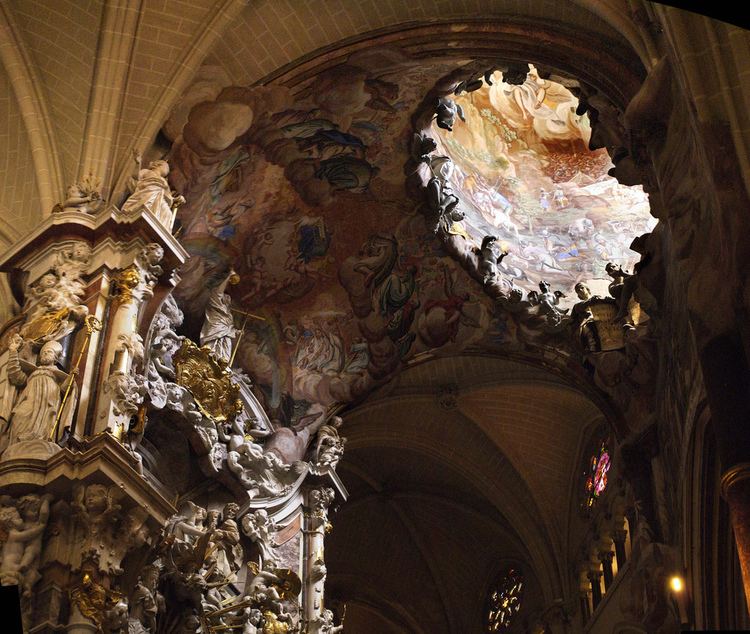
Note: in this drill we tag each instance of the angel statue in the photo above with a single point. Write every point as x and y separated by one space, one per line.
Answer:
36 410
218 327
151 192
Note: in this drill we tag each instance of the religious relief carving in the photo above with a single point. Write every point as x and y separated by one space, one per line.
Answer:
202 560
146 602
594 320
105 608
442 201
274 591
151 192
446 112
324 624
329 445
260 528
622 289
104 531
136 283
548 303
490 258
22 525
263 473
53 303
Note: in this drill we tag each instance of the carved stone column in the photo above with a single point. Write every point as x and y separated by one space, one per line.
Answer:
595 577
585 605
315 526
619 536
606 559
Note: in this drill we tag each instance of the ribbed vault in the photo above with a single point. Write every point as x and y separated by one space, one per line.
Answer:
457 466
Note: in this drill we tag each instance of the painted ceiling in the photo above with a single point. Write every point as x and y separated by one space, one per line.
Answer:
301 190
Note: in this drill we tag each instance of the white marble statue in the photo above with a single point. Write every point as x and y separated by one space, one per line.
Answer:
151 192
218 327
330 445
260 528
146 602
34 413
83 197
323 624
188 526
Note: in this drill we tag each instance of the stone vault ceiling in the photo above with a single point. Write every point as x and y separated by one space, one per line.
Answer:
495 463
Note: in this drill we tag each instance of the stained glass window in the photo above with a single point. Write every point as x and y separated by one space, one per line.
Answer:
504 601
596 480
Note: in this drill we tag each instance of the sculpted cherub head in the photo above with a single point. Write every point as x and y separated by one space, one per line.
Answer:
96 498
9 518
29 506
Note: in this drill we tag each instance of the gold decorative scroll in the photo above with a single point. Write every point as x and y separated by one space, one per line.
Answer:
209 381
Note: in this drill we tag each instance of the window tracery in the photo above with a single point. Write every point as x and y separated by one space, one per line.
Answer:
504 601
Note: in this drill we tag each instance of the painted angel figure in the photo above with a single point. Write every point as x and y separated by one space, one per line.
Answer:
35 412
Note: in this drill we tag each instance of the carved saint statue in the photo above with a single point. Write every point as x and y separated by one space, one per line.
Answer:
151 192
218 328
34 414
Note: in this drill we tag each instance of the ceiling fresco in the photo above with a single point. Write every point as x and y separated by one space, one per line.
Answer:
523 172
302 192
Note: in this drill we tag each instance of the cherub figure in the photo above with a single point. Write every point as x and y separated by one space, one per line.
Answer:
25 525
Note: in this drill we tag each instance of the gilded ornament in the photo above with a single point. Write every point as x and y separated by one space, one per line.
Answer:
209 381
126 283
93 600
290 586
42 327
272 625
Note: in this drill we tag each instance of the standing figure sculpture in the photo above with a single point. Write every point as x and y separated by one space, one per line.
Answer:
218 328
36 410
151 192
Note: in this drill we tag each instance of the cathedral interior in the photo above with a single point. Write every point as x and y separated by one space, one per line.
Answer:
374 316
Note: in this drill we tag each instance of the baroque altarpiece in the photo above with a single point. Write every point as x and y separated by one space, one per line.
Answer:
146 488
